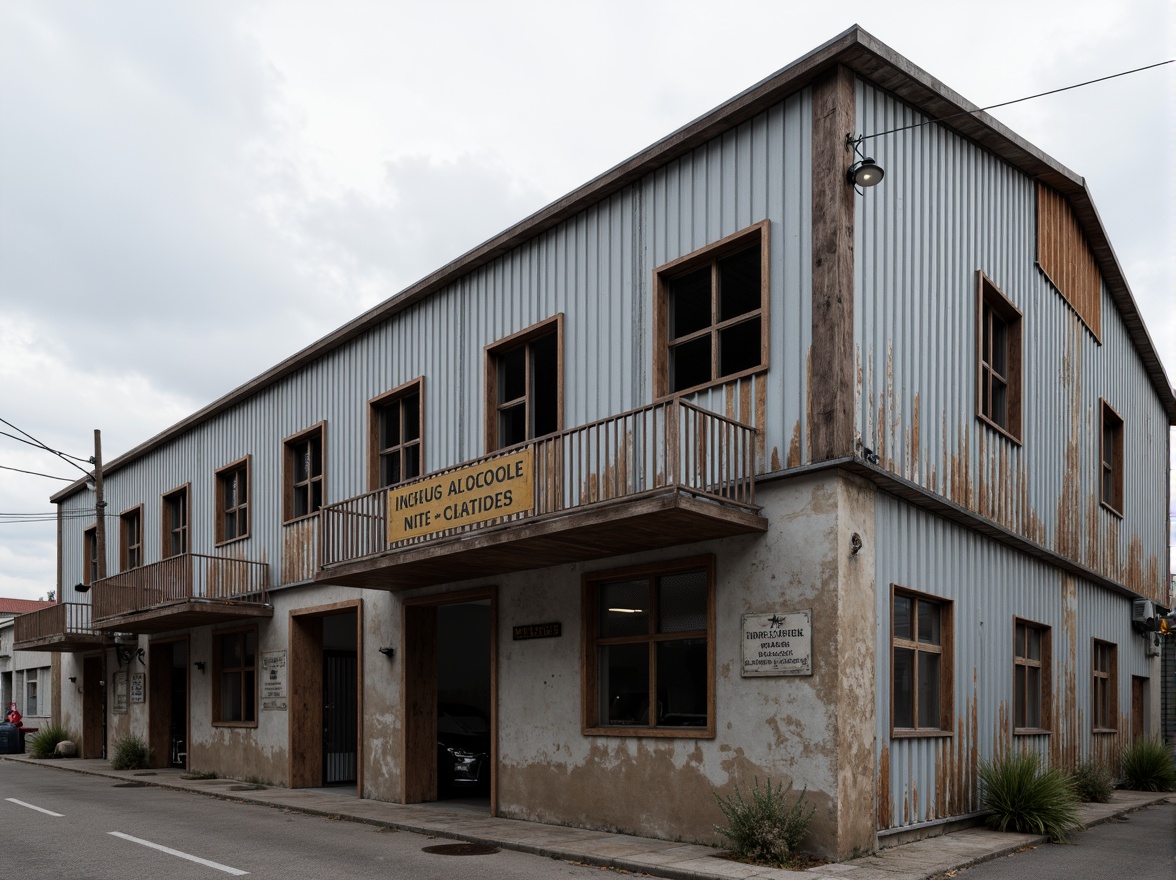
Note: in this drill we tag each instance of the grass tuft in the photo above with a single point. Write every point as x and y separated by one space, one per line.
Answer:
43 743
130 753
1093 782
1148 765
1025 797
767 829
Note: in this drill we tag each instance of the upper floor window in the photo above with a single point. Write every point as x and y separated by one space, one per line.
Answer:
175 522
232 501
524 385
90 555
648 650
395 436
1104 704
131 539
304 460
1111 458
711 313
921 684
1031 676
998 369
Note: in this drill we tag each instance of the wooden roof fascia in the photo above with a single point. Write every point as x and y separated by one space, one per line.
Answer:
854 48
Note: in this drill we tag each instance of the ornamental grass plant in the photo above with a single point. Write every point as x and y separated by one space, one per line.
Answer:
1148 765
768 828
43 743
1093 782
130 753
1023 796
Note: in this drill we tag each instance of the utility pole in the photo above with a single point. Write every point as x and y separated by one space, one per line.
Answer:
99 507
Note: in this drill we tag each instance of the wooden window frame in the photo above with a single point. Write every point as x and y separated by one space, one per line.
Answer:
492 352
945 650
1104 681
1022 663
90 555
217 672
125 547
589 665
222 475
663 275
991 304
375 407
291 485
32 702
169 528
1111 464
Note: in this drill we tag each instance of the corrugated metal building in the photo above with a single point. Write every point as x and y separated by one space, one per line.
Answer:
715 469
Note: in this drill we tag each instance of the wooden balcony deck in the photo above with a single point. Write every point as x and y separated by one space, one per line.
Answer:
183 591
660 476
66 627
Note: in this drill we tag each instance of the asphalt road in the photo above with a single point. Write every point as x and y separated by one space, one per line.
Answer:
67 825
1141 846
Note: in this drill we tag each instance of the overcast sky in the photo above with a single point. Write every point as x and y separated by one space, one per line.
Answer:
190 192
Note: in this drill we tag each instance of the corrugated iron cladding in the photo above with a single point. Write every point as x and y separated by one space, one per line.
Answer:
988 584
596 269
946 210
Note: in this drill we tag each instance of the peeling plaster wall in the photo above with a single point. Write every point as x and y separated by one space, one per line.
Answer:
930 778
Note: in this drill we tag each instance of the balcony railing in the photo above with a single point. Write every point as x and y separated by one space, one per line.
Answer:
184 578
64 622
669 445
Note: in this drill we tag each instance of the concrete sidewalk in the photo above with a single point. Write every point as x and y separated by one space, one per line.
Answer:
660 858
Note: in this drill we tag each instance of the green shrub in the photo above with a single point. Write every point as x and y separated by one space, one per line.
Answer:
130 753
1148 765
1025 797
43 743
1092 782
768 828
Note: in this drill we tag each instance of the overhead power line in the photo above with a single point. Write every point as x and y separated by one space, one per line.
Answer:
70 459
37 474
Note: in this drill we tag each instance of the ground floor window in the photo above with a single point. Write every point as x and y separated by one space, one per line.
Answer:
31 694
1031 677
1104 687
235 677
649 650
921 671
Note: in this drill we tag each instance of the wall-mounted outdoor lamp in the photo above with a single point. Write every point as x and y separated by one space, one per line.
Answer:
72 679
388 652
864 172
81 588
199 664
855 544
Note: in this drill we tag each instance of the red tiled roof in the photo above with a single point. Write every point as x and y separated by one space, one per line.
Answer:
20 606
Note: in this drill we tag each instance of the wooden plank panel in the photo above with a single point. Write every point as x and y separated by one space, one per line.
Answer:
306 701
419 768
1066 259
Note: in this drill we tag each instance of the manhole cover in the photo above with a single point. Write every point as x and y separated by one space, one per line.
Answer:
461 849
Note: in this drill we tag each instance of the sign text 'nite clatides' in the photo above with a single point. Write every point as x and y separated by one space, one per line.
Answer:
473 494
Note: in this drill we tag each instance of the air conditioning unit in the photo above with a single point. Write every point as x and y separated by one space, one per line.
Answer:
1143 613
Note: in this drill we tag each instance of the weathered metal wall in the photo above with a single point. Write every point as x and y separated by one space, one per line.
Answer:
927 778
597 269
945 210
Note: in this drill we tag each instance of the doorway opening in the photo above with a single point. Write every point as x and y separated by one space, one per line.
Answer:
94 706
450 699
167 727
325 703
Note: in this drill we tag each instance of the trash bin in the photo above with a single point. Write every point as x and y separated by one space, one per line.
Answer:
10 739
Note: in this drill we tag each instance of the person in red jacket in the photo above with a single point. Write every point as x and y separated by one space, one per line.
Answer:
13 717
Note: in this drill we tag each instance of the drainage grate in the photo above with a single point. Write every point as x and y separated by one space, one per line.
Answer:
129 785
462 849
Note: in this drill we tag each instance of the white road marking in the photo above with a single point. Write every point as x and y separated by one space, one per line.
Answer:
175 852
38 809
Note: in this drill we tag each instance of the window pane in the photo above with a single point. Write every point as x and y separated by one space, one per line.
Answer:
390 469
624 608
300 500
999 361
928 622
681 683
250 649
928 689
681 602
512 374
1019 697
512 425
250 695
412 417
624 684
690 302
1033 643
390 425
739 284
316 458
690 363
1033 696
739 347
904 684
230 696
1000 402
903 624
545 384
230 651
412 461
301 462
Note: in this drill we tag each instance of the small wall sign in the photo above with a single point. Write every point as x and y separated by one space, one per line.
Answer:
138 687
778 644
537 631
120 693
273 680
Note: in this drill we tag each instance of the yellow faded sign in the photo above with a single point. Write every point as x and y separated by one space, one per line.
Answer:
462 497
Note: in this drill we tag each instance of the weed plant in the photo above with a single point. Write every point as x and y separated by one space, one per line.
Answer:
1023 796
1148 765
43 743
1093 782
130 753
767 829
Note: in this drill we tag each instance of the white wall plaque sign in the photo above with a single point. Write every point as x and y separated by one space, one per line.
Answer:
273 680
778 644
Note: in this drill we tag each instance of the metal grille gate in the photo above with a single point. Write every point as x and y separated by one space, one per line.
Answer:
340 681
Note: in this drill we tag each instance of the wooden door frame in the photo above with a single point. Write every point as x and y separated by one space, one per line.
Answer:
414 679
305 740
157 685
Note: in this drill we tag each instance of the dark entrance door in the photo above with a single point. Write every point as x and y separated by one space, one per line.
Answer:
339 716
93 708
178 727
